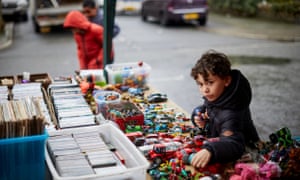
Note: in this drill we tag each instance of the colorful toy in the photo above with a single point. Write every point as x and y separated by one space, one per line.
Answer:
157 97
163 152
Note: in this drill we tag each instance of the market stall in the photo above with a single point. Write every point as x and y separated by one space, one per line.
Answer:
92 128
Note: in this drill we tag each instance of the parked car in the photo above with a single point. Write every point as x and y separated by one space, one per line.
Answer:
168 11
15 10
128 6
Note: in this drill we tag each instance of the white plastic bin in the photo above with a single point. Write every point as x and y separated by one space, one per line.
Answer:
135 163
98 75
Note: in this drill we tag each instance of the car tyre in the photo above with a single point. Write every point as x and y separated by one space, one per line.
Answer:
202 21
24 17
36 27
157 160
144 16
164 19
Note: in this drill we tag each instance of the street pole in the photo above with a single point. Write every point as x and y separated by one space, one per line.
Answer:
109 17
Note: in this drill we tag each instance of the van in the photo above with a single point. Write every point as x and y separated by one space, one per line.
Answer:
168 11
49 13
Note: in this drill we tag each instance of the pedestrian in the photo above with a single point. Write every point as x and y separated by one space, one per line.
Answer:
89 40
225 116
95 15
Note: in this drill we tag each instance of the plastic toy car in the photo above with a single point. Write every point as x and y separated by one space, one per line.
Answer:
163 118
136 92
139 141
157 97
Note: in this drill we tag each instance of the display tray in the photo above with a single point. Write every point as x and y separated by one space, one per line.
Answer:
135 163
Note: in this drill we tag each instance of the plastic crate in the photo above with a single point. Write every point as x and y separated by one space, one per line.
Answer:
115 112
135 163
97 75
131 74
23 158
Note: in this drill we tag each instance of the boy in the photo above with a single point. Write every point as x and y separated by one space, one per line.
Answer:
225 115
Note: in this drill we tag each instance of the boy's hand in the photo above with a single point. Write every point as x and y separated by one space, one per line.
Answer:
200 119
201 158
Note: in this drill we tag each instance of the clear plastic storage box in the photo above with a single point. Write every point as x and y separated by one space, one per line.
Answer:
106 97
135 73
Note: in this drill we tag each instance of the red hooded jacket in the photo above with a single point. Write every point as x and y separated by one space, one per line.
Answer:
89 41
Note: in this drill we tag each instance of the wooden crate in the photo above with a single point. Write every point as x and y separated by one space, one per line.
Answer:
43 78
8 81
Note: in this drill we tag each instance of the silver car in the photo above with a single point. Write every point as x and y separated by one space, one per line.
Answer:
15 9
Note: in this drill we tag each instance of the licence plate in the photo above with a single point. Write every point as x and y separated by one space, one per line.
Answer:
191 16
129 8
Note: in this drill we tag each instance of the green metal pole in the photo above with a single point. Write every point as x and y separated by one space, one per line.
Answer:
109 18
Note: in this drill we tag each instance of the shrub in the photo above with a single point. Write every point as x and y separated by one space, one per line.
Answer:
235 7
283 10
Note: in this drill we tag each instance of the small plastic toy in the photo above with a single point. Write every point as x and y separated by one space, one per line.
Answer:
133 135
136 91
164 151
282 136
157 97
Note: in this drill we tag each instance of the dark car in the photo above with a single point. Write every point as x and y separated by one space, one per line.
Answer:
167 11
15 10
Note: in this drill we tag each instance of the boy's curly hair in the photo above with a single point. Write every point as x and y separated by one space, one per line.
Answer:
212 62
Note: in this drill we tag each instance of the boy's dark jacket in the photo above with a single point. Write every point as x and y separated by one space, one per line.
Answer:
230 112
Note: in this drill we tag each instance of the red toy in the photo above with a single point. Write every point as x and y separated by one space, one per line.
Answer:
163 152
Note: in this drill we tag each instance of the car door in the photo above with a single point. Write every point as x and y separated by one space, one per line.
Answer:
152 7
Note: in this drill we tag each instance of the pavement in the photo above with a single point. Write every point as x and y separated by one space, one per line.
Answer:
6 38
227 25
253 28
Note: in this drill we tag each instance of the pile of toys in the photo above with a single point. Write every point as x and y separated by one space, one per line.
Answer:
168 140
275 159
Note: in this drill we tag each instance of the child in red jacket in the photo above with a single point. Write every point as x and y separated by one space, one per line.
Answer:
89 40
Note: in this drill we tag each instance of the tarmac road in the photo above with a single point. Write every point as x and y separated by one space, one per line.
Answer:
226 25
